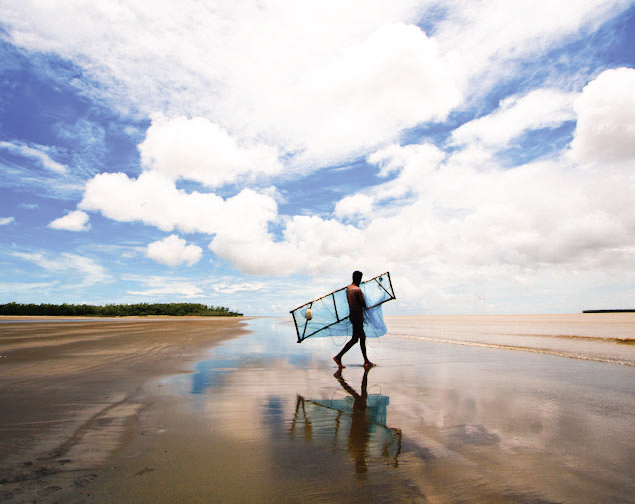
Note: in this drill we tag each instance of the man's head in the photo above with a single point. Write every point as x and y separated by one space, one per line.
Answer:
357 277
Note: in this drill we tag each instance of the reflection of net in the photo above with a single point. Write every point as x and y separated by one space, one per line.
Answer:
329 423
330 314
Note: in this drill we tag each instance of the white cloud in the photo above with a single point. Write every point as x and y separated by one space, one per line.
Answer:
258 256
197 149
240 223
540 108
20 290
155 200
256 68
72 221
606 119
77 268
368 92
4 221
323 81
313 83
243 91
357 205
233 287
36 152
414 163
456 213
491 35
537 213
213 289
159 287
310 245
173 251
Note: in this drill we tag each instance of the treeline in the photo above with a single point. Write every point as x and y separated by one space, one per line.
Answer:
116 310
620 310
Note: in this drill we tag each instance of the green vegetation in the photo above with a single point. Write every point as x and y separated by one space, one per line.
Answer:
623 310
116 310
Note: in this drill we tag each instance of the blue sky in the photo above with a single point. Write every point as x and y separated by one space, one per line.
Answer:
253 154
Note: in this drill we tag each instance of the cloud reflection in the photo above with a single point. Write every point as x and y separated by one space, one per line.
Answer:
356 422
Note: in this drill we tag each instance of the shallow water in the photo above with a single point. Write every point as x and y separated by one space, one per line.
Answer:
603 337
433 422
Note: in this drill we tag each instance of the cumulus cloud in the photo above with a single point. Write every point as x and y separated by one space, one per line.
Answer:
197 149
322 88
242 84
240 224
322 80
414 165
357 205
39 153
155 200
72 221
540 213
310 245
240 92
370 91
173 251
605 130
437 208
4 221
477 228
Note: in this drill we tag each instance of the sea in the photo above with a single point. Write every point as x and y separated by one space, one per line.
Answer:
603 337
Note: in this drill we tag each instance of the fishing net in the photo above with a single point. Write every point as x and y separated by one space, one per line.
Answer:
329 315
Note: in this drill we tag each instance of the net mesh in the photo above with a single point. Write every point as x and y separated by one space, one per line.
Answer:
329 315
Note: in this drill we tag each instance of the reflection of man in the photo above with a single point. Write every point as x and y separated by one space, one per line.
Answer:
359 436
356 305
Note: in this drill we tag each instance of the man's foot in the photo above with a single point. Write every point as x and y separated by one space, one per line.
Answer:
369 364
339 363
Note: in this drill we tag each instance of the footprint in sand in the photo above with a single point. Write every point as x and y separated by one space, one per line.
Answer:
84 480
43 492
144 470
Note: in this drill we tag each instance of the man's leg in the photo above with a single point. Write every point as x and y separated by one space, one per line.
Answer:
362 344
347 347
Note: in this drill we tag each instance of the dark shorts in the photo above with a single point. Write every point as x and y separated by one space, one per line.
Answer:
358 330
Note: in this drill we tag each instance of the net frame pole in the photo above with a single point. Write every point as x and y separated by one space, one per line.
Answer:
391 296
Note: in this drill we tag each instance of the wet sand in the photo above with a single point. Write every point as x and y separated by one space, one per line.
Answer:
260 418
71 393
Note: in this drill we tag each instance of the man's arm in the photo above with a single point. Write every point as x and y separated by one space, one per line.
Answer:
362 299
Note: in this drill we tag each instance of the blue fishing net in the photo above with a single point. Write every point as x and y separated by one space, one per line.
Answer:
329 315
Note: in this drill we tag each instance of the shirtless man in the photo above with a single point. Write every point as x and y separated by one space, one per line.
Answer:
356 305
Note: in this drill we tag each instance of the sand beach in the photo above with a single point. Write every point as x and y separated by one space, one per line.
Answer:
71 392
459 409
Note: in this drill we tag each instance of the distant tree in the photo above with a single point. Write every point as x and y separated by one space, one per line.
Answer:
116 310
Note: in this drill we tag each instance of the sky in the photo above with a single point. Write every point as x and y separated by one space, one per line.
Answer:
254 153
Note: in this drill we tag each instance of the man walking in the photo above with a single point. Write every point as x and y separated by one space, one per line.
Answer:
356 305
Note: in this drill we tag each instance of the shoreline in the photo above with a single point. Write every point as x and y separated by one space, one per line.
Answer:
605 338
54 318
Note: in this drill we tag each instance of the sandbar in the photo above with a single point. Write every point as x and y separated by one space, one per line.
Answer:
71 391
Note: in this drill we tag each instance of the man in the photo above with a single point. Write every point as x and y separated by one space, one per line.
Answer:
356 305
